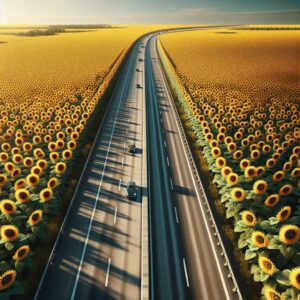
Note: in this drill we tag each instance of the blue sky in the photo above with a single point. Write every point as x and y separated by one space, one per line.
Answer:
151 11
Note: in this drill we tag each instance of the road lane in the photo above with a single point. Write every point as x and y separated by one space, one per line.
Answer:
98 256
206 277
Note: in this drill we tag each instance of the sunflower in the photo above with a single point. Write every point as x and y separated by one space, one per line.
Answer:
260 171
272 294
250 172
60 168
285 190
52 146
54 156
249 218
289 234
244 163
278 176
231 147
36 170
272 200
221 162
271 162
284 213
7 207
35 217
295 277
260 187
237 155
255 154
28 162
52 183
39 153
259 239
238 194
27 147
296 172
21 253
32 179
22 195
42 163
226 171
7 279
67 154
3 180
9 167
9 233
266 265
46 195
71 145
19 184
233 178
216 152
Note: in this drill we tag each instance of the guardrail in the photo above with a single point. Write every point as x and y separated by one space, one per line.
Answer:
168 73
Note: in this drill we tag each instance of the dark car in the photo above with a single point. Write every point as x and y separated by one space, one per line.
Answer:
140 59
131 190
131 148
138 86
137 70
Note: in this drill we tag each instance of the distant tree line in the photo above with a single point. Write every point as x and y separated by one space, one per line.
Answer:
54 29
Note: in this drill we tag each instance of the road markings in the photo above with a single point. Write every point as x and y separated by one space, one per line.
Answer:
171 184
186 274
168 161
99 188
165 143
120 183
126 132
128 121
199 201
122 161
176 216
107 273
124 145
115 217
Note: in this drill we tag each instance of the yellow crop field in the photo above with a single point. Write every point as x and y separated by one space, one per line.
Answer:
250 64
50 86
238 92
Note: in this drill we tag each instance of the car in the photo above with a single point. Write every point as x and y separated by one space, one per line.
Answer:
140 59
131 148
131 190
138 86
137 70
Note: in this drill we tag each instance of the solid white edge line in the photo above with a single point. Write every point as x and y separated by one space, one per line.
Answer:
168 161
107 273
120 183
99 188
176 215
198 196
122 161
165 143
186 273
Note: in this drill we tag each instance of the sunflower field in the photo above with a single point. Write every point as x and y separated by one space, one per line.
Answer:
50 87
250 138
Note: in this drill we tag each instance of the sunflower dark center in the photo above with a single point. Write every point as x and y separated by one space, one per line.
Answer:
286 189
284 213
298 278
8 206
6 279
261 187
23 195
21 252
10 232
290 234
249 218
46 194
260 239
251 172
35 217
238 194
275 297
267 265
272 200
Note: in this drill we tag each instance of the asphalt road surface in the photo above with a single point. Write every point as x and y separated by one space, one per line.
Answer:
186 262
99 252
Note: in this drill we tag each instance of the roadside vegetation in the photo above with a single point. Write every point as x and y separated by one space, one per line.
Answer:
239 97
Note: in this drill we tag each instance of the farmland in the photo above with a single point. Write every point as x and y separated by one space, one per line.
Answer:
238 96
50 86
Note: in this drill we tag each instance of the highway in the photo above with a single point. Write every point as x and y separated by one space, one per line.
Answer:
185 260
98 253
